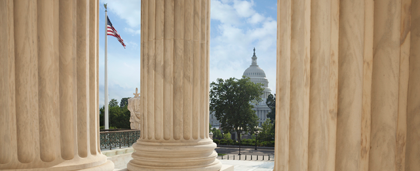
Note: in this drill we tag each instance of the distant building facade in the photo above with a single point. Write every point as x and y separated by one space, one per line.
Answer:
257 75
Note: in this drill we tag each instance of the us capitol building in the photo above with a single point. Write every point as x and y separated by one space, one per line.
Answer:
257 75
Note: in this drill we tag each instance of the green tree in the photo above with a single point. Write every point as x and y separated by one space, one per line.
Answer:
113 103
267 133
217 134
101 116
119 117
124 102
271 103
227 136
230 101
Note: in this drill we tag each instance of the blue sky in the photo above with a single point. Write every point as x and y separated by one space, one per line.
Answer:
237 26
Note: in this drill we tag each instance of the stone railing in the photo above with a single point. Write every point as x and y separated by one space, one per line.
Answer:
118 138
246 157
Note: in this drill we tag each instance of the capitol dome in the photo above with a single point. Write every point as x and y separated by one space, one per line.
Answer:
257 75
254 71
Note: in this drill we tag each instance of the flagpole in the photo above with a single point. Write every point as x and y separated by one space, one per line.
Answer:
106 69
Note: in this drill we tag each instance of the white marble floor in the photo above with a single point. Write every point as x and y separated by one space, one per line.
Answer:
121 157
242 165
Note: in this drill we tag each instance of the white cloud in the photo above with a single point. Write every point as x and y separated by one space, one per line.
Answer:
123 73
266 35
129 10
231 46
243 8
224 12
232 12
115 91
132 44
132 31
256 18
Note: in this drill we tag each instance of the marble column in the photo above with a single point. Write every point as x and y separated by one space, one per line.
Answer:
49 86
174 87
348 76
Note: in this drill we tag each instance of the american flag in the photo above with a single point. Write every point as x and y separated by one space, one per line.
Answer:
112 32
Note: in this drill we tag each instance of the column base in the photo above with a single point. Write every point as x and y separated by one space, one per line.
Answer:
91 163
186 156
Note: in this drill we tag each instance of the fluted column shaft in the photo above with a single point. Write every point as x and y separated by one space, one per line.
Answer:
348 85
49 86
174 87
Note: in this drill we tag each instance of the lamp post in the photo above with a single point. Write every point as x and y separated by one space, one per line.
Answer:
239 136
256 137
256 141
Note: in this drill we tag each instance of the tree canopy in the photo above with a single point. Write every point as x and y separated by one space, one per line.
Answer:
119 117
217 134
267 131
271 103
124 102
231 99
226 136
113 103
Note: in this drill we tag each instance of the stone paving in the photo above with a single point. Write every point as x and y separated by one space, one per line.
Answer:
121 157
240 165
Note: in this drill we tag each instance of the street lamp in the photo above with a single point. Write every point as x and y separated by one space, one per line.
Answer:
256 137
239 136
239 145
256 141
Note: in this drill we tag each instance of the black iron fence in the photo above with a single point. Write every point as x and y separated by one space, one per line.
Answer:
247 157
118 138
